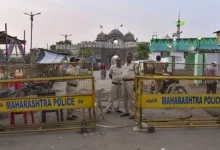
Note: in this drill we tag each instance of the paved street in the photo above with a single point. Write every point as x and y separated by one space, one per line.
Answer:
105 138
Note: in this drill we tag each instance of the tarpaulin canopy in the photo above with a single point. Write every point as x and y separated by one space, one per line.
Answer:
50 57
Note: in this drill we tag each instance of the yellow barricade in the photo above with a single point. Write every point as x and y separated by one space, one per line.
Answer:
186 106
47 103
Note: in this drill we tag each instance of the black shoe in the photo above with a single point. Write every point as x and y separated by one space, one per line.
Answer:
108 112
118 111
131 117
124 115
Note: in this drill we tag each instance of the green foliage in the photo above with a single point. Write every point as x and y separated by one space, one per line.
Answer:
53 47
142 51
85 53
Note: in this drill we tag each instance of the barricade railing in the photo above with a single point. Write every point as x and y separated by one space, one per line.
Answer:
43 70
179 103
44 103
183 69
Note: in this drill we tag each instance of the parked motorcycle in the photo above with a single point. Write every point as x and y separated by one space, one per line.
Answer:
31 88
166 83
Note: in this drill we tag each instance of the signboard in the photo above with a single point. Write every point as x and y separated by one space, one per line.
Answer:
180 101
45 103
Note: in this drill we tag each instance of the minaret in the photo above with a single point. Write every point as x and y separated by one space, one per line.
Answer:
178 27
179 23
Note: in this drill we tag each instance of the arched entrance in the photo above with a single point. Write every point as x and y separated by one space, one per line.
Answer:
113 59
110 59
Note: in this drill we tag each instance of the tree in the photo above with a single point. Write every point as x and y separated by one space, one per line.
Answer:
53 47
85 53
142 51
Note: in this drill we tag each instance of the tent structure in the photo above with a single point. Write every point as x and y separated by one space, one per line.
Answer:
11 43
47 56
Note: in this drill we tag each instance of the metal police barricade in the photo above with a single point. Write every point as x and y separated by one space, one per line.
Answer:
180 103
50 97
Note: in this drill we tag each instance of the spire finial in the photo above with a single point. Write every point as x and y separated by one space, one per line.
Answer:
179 15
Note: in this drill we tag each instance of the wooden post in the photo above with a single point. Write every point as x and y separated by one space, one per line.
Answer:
6 44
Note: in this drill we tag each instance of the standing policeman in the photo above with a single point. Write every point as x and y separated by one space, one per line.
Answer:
128 77
115 74
71 88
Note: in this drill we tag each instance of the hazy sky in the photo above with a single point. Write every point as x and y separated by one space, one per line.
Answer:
82 18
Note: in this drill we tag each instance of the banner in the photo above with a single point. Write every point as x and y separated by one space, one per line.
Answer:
180 101
21 49
45 103
10 48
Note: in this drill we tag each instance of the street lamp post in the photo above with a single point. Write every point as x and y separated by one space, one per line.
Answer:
32 19
65 35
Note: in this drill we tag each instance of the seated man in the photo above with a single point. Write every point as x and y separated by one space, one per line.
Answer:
160 67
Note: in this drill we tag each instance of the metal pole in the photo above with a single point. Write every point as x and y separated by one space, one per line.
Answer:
24 43
32 19
65 42
6 43
31 27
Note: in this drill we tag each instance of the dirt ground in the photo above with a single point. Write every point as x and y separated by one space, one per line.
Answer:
117 139
107 138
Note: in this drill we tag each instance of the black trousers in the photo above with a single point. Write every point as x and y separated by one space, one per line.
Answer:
211 88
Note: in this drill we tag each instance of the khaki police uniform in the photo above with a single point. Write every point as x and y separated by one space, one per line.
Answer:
128 77
159 68
116 87
71 88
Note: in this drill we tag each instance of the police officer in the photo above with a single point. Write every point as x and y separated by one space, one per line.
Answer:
71 87
115 74
128 77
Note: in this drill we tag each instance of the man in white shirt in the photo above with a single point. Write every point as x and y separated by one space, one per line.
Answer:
128 77
115 74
